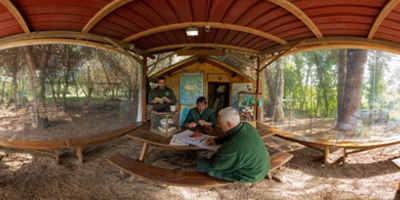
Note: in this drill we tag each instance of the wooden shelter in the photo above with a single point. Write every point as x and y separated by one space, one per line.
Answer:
266 29
215 74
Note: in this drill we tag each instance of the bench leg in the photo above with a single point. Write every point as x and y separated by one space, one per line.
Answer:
344 155
326 154
79 154
132 178
56 153
269 176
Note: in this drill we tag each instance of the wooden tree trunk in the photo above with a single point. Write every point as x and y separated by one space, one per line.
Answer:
32 71
15 83
89 89
2 92
65 88
279 114
351 107
271 91
341 80
300 78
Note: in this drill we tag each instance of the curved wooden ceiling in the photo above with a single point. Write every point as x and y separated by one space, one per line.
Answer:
249 26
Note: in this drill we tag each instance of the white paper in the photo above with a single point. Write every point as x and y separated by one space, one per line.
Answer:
177 142
200 142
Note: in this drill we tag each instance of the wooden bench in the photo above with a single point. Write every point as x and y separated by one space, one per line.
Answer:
397 163
180 178
94 141
45 147
277 161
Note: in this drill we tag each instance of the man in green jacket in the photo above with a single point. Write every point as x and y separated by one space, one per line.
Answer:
242 157
201 115
161 96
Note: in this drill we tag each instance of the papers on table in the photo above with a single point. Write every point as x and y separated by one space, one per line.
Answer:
200 141
177 142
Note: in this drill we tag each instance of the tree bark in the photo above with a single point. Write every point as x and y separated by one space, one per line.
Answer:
341 81
279 114
15 83
33 66
351 107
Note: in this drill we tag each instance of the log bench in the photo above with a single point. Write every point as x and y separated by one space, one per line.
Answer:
94 141
49 147
397 163
180 178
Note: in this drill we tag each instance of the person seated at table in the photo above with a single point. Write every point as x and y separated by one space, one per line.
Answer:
161 97
200 115
242 156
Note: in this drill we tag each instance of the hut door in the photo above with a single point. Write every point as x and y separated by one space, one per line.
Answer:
218 96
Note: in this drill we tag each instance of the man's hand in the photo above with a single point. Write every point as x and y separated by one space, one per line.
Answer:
192 124
154 101
166 99
202 122
210 141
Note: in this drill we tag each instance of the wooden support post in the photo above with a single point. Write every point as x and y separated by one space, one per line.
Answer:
144 89
259 112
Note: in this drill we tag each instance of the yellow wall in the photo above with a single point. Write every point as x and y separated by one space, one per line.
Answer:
210 74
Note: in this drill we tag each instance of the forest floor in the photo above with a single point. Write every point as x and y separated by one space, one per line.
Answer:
27 174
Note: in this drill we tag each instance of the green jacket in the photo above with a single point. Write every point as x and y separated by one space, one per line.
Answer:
242 154
208 116
158 92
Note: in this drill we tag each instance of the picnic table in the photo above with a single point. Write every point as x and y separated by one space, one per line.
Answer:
152 141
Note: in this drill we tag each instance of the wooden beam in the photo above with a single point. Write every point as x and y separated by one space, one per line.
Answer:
71 35
280 55
239 59
176 65
234 71
258 90
22 43
299 14
104 12
115 43
208 45
144 89
17 15
337 42
165 57
390 5
203 24
202 52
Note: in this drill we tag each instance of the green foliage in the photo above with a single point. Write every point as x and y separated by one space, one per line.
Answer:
312 80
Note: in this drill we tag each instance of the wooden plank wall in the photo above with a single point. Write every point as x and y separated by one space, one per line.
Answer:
210 74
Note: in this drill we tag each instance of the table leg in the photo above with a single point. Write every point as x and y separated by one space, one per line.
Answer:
344 155
143 153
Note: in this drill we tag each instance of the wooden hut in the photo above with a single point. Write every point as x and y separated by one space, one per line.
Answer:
218 80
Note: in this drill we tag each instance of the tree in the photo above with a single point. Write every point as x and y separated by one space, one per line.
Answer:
275 86
350 107
38 104
375 70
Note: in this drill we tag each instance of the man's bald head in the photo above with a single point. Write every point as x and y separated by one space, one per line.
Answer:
228 118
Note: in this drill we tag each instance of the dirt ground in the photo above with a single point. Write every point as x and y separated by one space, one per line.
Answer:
31 175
